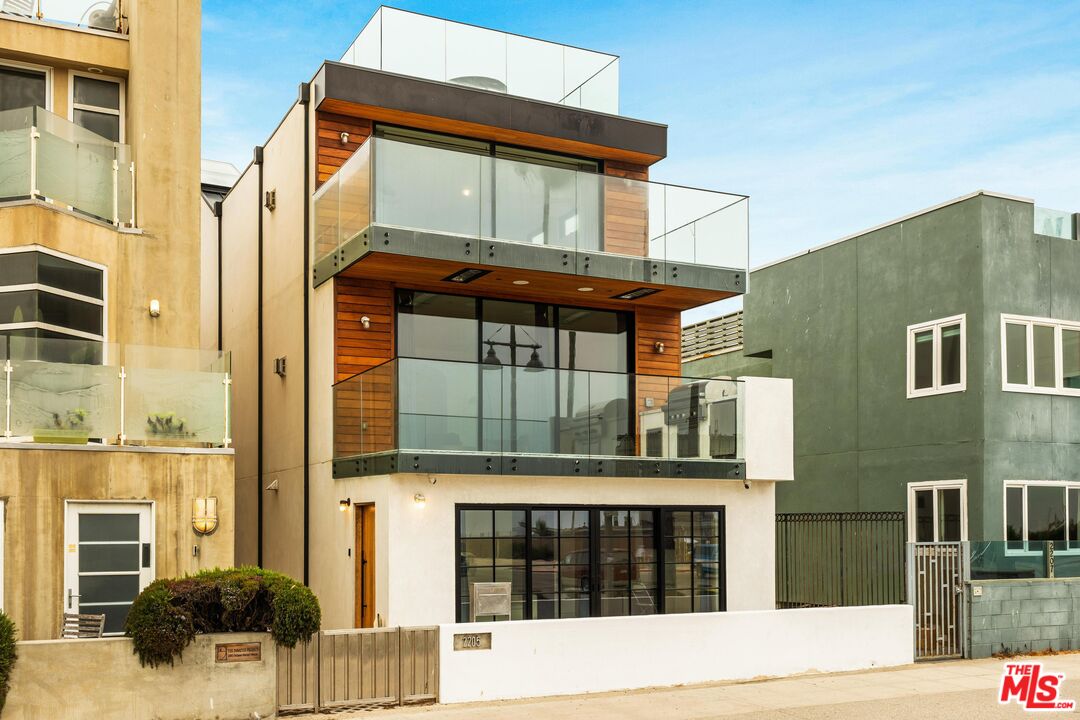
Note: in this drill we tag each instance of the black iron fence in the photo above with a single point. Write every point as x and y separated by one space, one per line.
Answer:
837 559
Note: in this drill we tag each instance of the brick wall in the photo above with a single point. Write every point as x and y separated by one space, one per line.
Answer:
1023 616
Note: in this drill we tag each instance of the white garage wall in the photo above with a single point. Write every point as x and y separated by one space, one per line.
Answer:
561 657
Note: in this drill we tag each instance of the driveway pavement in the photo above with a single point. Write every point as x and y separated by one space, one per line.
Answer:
956 690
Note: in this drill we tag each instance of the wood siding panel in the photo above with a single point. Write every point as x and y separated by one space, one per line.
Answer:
653 368
363 408
626 209
331 153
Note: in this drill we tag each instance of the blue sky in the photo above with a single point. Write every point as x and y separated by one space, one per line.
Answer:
833 117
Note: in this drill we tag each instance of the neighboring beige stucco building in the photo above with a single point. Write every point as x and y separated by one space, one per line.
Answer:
99 315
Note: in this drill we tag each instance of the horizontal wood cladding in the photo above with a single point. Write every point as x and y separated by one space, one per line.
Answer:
626 209
331 152
363 408
653 368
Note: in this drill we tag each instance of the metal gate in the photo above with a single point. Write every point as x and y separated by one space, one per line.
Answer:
359 668
936 576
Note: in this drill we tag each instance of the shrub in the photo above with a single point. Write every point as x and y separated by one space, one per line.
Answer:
8 654
168 614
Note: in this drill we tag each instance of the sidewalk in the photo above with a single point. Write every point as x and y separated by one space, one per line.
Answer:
955 690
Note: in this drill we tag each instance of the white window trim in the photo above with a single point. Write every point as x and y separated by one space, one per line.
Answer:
1025 484
936 485
39 68
103 337
1029 386
121 112
937 388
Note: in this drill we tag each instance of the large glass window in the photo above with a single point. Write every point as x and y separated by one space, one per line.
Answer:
1042 512
1040 355
936 357
47 296
22 87
593 561
527 377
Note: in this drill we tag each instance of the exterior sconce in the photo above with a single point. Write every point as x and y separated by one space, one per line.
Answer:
279 366
419 499
344 138
366 322
271 200
343 505
204 515
659 347
155 308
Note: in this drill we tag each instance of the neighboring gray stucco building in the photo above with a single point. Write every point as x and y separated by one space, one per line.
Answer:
895 340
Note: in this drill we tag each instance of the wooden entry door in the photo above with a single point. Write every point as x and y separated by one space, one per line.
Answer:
365 566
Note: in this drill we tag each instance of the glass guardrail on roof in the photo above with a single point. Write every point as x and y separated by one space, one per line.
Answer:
1055 223
445 51
93 14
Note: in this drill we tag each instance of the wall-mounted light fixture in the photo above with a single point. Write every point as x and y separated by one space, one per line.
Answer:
271 200
419 499
279 366
344 138
366 322
204 515
343 505
659 347
155 308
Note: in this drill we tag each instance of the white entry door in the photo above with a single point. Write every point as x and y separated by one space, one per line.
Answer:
108 558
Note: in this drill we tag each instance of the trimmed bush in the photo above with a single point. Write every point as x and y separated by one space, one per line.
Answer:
168 614
8 635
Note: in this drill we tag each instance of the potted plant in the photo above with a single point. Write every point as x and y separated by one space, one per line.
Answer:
168 425
71 428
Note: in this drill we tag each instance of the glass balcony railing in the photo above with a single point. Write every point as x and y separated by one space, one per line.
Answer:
419 187
94 14
1023 559
72 391
44 156
1055 223
411 405
445 51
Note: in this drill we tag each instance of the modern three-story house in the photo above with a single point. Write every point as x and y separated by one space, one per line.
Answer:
452 298
114 459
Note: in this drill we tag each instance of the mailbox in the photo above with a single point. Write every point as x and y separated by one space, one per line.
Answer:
489 598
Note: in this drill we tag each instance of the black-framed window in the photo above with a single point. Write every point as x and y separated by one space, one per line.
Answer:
592 561
500 375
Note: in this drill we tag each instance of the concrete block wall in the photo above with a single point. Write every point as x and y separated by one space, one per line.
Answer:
1023 616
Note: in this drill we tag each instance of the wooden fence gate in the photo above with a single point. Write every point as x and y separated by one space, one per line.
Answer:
359 668
936 576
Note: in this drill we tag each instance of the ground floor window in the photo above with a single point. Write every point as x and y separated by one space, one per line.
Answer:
1042 511
937 511
590 561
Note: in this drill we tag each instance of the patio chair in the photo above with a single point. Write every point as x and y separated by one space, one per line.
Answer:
82 626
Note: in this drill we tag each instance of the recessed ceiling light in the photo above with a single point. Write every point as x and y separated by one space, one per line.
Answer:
466 192
585 289
521 282
94 69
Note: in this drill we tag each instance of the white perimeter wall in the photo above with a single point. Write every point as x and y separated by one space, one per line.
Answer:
561 657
